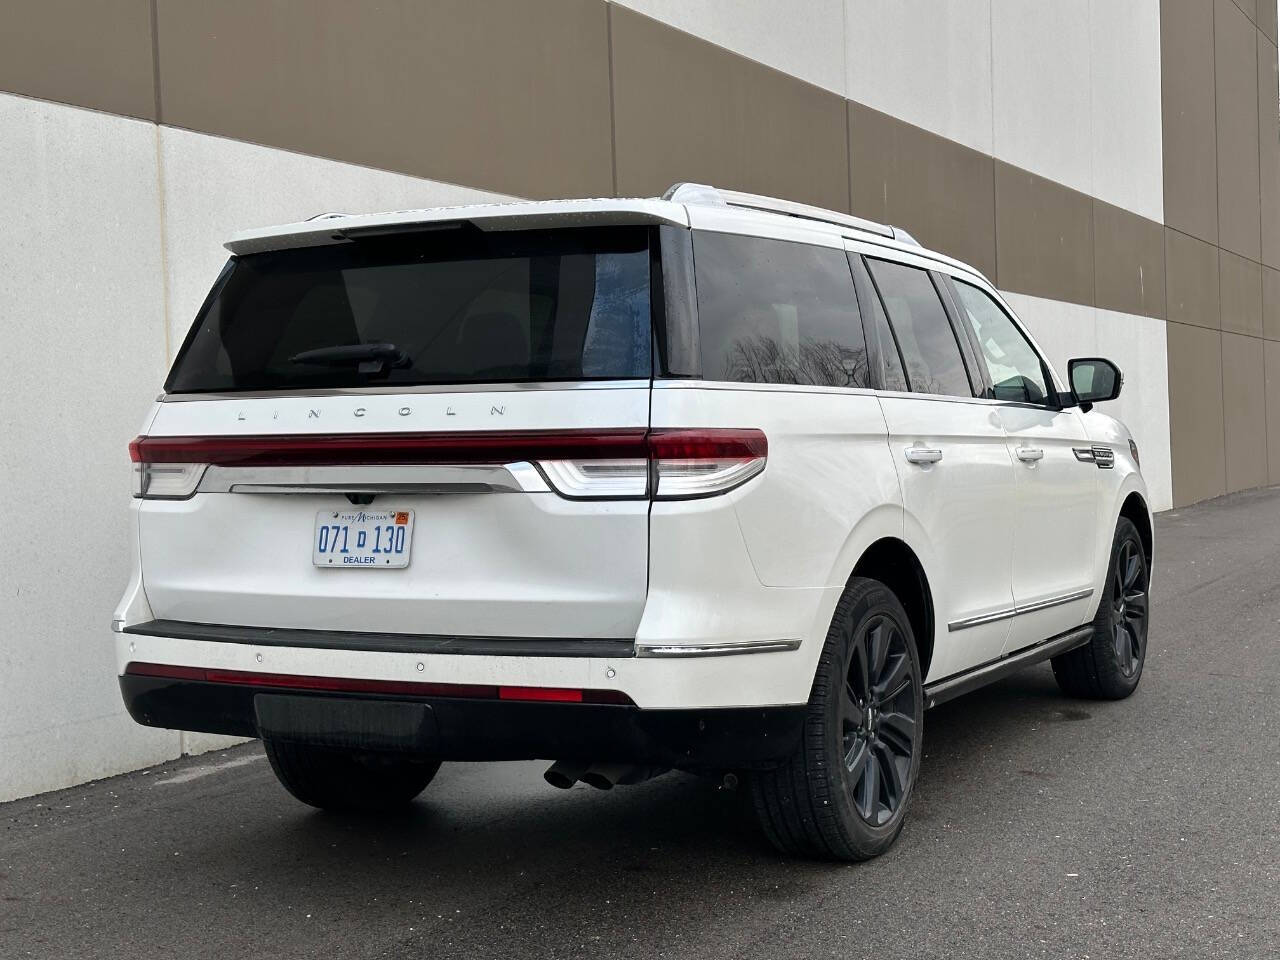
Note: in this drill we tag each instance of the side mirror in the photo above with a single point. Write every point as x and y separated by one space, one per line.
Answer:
1094 380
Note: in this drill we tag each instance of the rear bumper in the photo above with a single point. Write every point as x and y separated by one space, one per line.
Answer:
749 676
472 729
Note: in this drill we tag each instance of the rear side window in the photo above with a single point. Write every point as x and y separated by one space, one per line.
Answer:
925 335
771 311
456 306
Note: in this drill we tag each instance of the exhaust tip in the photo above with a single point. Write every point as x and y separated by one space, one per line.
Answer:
562 775
594 778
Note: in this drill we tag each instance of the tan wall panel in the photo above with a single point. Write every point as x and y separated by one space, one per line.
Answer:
1044 237
1250 7
685 109
1244 404
1128 257
94 55
1191 280
1267 19
1272 354
1236 44
1269 148
1187 115
1241 297
498 94
1197 447
942 193
1271 303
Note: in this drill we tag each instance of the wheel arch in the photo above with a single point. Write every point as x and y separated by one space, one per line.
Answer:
892 562
1135 509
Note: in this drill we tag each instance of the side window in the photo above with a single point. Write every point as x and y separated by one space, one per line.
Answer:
1016 371
770 311
925 336
877 328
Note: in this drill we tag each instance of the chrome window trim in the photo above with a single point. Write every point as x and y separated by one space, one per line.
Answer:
531 387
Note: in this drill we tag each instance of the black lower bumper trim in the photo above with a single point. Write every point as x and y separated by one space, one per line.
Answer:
472 729
387 642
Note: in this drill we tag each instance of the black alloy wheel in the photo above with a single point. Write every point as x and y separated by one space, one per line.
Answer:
877 717
1109 665
1129 607
845 791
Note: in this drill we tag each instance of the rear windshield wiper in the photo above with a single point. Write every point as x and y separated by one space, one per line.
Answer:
367 357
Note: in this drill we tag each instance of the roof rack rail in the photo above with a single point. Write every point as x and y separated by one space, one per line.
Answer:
705 194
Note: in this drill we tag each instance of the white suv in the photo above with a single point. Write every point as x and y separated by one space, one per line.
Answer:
714 482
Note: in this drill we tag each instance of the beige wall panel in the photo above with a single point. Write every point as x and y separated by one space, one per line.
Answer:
1044 237
1128 254
942 193
1271 303
1187 115
1272 353
1267 19
1244 406
686 109
94 55
497 94
1269 148
1236 45
1197 447
1241 294
1191 280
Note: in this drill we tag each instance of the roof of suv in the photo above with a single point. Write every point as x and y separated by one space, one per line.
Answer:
671 208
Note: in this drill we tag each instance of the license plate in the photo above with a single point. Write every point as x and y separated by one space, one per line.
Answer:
371 539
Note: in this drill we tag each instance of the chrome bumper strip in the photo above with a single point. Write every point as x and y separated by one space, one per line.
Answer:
716 650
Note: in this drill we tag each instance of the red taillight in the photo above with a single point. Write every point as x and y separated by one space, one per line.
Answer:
707 445
311 450
595 464
402 688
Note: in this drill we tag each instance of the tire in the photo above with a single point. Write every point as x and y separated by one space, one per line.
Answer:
844 793
341 780
1109 666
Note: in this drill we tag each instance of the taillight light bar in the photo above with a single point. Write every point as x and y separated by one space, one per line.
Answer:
624 463
397 688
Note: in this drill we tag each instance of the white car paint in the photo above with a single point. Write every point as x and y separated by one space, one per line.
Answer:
762 564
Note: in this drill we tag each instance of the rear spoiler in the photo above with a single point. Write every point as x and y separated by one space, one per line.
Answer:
332 229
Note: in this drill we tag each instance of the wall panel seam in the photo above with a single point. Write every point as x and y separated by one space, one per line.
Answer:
155 58
613 106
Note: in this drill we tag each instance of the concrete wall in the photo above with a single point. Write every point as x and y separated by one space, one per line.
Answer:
1114 167
115 228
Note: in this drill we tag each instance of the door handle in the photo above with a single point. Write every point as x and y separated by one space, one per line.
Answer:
923 454
1030 454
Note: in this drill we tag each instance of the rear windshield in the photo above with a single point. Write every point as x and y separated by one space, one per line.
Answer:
455 306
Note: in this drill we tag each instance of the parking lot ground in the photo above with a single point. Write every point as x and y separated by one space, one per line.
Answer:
1041 827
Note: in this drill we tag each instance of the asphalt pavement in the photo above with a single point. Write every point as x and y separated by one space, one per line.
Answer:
1041 827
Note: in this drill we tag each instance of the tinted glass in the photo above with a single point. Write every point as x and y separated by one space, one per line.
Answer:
770 311
1016 371
877 326
929 346
459 306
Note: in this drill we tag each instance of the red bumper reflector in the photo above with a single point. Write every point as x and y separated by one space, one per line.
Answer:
540 693
402 688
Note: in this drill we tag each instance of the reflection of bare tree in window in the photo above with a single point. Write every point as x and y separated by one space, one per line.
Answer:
922 381
761 359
